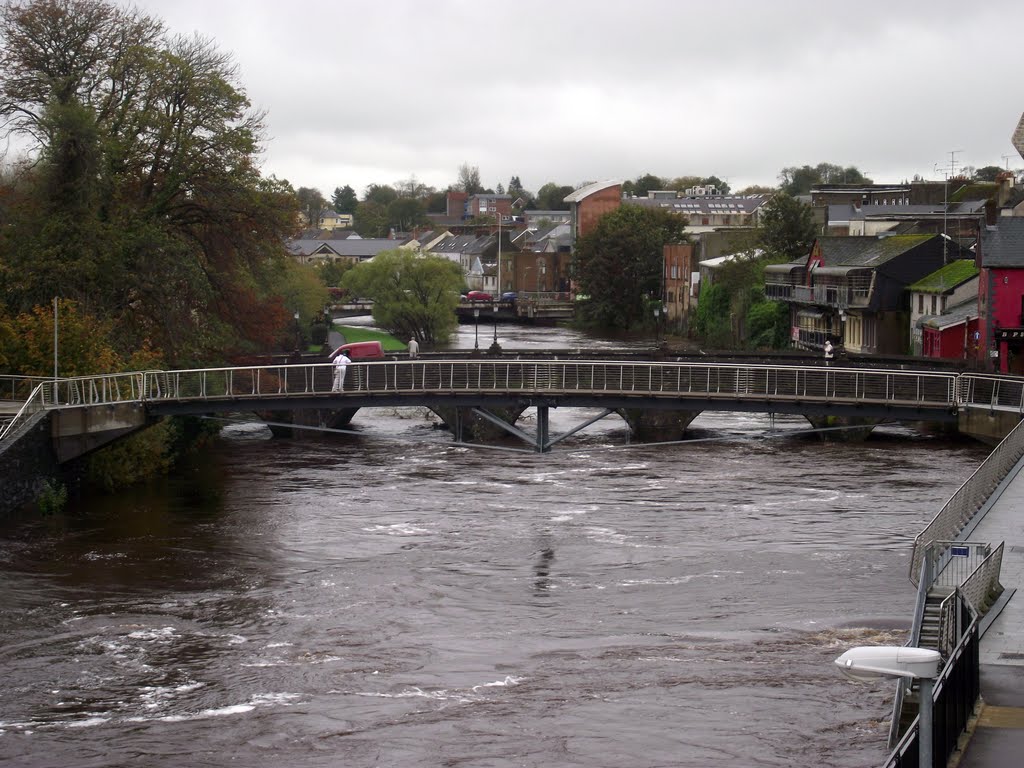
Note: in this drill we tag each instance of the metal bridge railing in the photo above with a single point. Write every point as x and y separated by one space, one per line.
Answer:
1003 393
652 379
33 404
19 388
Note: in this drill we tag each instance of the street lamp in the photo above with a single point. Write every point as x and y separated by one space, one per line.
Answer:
298 332
657 325
476 329
871 661
494 344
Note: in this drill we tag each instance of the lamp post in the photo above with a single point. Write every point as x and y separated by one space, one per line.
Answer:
657 325
298 332
494 344
872 661
476 330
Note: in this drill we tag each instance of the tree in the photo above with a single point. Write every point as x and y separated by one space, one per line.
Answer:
717 183
787 228
301 291
380 193
618 265
331 273
469 179
344 199
757 189
312 204
988 173
412 188
551 197
642 184
371 219
147 204
683 183
798 181
414 297
404 213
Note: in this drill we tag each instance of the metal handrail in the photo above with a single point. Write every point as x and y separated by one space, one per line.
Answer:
984 581
655 379
32 405
969 497
954 675
997 393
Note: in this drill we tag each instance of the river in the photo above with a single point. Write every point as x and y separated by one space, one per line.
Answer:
390 599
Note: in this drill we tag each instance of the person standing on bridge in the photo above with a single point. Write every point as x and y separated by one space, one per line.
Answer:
340 367
828 352
414 349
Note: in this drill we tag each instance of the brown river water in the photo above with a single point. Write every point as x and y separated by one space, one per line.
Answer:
390 599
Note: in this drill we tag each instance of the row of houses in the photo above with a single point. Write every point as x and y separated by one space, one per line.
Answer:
934 269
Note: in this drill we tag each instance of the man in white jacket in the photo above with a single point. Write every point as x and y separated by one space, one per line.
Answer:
340 367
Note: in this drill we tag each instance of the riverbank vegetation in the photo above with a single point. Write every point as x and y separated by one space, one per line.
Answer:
618 265
413 296
138 203
733 312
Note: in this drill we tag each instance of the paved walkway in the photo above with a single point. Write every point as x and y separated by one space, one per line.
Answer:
998 738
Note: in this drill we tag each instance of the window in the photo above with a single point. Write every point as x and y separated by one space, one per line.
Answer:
934 302
920 303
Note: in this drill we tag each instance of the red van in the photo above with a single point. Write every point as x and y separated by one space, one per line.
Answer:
360 351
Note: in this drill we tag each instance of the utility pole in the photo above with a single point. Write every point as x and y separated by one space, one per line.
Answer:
946 173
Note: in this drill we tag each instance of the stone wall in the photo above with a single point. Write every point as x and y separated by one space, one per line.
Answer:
25 464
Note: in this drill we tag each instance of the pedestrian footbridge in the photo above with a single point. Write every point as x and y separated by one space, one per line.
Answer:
656 398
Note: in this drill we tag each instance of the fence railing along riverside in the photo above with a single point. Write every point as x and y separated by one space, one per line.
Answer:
969 497
955 694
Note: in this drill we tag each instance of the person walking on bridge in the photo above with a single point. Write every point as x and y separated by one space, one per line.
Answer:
340 367
414 348
828 352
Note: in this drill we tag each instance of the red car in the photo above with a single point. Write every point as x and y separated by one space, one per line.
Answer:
479 296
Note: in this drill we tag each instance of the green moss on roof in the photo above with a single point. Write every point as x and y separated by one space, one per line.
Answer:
947 278
978 190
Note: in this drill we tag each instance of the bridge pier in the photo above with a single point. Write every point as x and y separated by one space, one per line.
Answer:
649 425
986 426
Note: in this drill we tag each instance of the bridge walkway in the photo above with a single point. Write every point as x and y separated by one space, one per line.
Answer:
998 736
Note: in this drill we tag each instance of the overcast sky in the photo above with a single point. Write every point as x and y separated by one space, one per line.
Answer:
582 90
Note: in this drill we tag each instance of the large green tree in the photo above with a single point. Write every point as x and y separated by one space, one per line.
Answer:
371 219
344 199
619 264
413 296
551 197
787 228
799 180
146 205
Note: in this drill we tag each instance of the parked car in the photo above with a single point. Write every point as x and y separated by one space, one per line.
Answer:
479 296
508 296
361 350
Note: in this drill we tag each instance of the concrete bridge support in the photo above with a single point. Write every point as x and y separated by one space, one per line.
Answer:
77 431
26 464
988 427
468 425
647 425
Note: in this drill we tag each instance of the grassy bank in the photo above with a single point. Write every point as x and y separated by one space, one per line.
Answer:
354 333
